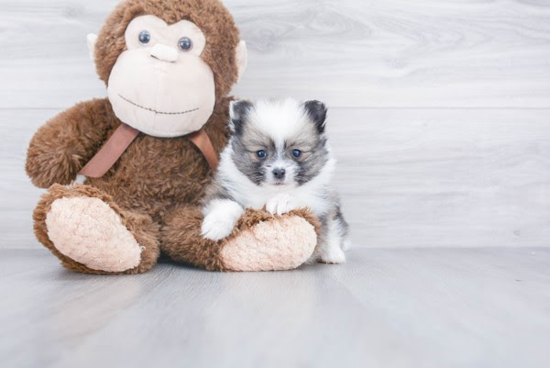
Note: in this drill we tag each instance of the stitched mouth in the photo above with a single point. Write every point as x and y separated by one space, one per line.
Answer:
155 111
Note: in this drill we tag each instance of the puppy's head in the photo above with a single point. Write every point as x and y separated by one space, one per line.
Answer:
279 143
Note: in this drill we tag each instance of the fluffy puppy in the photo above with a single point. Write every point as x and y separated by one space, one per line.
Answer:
277 158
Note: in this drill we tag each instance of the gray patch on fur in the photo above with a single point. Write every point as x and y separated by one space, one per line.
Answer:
245 146
334 215
239 112
310 167
216 190
343 225
318 113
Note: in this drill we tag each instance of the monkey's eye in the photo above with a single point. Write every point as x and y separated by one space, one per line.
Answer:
297 153
185 44
144 37
262 154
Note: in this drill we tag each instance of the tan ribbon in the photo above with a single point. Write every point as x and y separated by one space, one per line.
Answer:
204 144
121 139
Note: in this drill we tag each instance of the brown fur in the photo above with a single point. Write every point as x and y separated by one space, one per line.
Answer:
217 24
157 183
61 147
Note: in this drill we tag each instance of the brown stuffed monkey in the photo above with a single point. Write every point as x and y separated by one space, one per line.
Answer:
146 153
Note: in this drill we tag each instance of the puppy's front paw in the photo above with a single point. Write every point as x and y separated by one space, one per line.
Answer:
280 204
220 218
217 226
333 255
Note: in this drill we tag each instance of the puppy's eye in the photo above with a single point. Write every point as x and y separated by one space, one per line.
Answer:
185 44
297 153
262 154
144 37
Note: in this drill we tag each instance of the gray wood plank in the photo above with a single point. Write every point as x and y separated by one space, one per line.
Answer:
408 178
480 293
385 308
353 53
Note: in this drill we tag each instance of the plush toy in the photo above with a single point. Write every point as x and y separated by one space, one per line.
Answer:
146 153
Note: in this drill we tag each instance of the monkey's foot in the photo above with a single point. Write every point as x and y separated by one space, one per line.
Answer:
280 244
89 233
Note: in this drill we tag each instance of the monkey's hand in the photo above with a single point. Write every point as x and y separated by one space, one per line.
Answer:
280 204
61 147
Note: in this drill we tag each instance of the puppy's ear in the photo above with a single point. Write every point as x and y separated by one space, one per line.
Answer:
238 111
317 111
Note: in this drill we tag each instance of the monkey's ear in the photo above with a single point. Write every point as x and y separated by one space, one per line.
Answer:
242 58
92 39
317 111
238 111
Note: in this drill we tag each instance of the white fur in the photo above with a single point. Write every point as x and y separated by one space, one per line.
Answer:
220 217
331 248
250 195
280 120
281 204
80 179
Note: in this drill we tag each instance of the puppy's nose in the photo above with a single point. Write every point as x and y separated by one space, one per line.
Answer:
279 173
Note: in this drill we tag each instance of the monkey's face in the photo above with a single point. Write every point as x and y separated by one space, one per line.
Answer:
160 85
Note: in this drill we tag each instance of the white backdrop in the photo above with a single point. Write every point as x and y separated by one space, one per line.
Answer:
440 110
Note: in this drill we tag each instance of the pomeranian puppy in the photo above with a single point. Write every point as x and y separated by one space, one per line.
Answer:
278 158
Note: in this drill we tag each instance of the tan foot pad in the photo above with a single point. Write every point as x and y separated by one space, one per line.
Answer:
279 245
90 232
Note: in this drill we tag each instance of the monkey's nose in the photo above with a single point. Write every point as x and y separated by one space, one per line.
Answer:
279 173
164 53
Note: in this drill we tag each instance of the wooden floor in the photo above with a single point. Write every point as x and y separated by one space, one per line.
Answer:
385 308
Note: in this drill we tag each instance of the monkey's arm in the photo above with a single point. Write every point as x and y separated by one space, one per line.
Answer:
61 147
